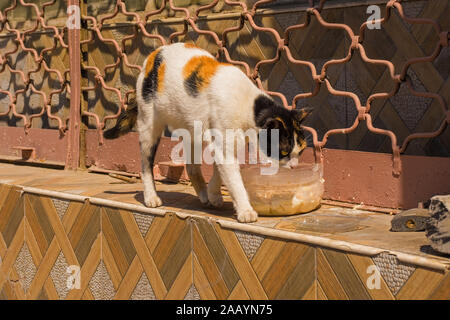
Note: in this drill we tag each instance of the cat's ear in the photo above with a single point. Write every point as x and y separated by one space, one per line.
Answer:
300 114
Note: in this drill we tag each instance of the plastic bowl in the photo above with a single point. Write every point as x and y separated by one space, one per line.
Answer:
289 191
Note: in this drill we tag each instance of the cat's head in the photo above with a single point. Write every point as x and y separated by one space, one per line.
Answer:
269 115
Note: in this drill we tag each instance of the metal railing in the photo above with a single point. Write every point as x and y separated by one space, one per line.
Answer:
80 82
246 13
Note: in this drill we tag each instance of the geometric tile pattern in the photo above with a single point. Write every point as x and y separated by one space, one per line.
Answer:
344 276
60 206
249 242
348 276
101 285
59 276
394 272
174 258
25 267
192 294
143 290
143 221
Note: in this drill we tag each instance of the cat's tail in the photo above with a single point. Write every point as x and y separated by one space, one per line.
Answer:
125 122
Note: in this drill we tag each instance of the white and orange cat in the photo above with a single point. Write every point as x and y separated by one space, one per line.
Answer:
180 84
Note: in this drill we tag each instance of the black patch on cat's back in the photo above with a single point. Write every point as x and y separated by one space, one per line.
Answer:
193 83
150 83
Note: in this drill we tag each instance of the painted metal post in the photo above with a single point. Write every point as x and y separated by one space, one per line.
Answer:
73 26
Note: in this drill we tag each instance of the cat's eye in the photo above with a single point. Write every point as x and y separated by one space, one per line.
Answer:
284 153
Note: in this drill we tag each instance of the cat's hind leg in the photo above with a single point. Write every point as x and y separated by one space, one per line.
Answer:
149 134
214 192
195 175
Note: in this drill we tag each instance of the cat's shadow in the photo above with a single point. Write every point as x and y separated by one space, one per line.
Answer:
183 201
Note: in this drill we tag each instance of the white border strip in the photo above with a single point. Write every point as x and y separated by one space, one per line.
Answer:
97 201
56 194
127 206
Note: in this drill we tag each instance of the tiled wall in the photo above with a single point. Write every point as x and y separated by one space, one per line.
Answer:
128 255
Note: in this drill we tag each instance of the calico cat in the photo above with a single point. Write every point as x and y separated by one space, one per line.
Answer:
180 84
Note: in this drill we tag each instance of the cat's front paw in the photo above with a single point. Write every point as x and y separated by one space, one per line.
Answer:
248 215
152 201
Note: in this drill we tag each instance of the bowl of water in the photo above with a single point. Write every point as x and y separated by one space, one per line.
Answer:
291 190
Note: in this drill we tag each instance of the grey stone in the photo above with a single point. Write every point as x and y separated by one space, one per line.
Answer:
438 226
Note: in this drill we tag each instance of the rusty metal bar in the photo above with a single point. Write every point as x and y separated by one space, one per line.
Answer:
84 35
26 84
73 144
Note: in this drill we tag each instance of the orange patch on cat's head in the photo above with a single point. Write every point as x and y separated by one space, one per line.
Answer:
151 61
